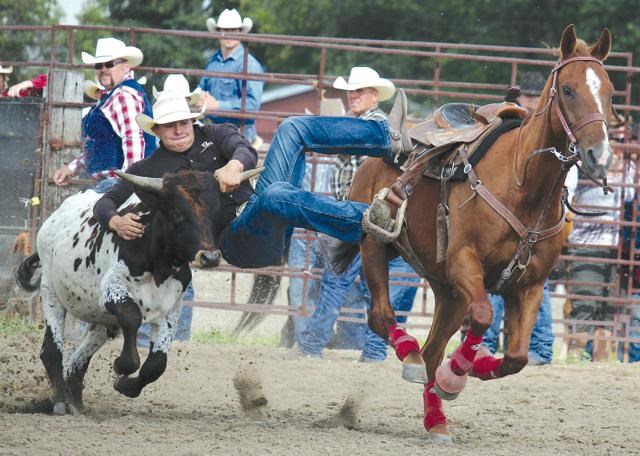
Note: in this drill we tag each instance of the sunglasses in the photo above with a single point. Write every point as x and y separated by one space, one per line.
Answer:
111 64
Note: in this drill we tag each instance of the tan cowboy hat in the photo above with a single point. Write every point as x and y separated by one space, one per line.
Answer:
6 70
176 84
108 49
362 77
229 19
168 108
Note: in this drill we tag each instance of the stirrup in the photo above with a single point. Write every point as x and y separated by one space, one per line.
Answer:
391 230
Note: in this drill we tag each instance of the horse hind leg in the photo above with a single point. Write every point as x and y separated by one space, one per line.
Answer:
382 319
52 349
78 363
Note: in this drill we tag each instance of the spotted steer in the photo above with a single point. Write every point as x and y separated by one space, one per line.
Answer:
115 285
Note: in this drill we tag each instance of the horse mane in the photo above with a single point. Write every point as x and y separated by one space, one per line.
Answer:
582 48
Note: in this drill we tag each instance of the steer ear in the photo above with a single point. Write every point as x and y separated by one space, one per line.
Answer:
152 184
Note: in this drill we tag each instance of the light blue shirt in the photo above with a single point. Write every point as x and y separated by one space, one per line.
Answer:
228 91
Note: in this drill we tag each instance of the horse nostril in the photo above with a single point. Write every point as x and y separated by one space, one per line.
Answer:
591 155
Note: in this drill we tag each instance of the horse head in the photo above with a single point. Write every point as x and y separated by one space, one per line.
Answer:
583 99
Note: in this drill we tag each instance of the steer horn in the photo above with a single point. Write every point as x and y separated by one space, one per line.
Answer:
246 175
153 184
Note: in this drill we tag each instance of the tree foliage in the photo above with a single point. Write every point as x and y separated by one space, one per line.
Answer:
492 22
26 45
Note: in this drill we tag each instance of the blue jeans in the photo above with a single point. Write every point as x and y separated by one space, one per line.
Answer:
104 185
183 332
338 290
541 345
256 238
634 348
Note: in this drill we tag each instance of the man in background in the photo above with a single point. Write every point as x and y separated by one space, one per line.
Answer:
225 94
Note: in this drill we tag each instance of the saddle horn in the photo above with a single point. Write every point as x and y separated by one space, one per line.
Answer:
152 184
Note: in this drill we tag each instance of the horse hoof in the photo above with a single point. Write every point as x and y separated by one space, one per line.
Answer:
441 439
442 394
448 384
59 408
415 373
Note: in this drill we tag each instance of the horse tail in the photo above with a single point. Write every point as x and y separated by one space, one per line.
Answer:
263 291
25 272
343 255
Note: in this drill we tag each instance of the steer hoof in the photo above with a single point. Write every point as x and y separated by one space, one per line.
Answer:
128 386
449 385
60 408
123 366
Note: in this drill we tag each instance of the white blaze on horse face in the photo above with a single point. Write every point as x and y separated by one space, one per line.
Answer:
594 83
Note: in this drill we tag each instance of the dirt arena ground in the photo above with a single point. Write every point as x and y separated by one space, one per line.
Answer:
210 401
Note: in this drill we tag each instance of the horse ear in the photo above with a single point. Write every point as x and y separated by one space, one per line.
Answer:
601 49
568 41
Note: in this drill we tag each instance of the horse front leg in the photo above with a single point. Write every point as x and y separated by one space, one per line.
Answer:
466 275
448 316
521 310
382 318
156 362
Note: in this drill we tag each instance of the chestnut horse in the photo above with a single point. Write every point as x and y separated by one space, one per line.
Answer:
519 173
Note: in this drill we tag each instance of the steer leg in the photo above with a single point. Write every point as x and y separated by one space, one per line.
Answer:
156 363
129 318
382 318
53 346
79 362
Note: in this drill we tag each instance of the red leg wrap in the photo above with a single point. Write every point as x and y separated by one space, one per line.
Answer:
462 359
486 368
402 342
433 412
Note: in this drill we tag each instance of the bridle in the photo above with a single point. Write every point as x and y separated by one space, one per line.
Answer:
529 236
569 129
572 157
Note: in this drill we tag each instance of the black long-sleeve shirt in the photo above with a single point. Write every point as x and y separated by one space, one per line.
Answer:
214 146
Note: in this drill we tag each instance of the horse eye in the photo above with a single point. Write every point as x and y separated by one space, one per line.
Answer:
566 90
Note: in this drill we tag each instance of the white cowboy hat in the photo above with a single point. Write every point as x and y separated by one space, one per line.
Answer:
229 19
108 49
6 70
168 108
362 77
177 84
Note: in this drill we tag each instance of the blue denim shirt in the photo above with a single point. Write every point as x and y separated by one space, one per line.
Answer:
228 91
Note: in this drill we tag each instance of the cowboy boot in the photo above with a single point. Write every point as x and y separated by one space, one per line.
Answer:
400 139
379 213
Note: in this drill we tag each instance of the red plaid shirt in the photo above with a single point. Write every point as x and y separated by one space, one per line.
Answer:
121 110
